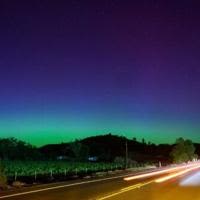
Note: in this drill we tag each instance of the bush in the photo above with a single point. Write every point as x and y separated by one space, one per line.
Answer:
18 184
3 178
132 163
119 160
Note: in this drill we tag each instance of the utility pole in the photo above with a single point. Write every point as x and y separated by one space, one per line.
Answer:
126 158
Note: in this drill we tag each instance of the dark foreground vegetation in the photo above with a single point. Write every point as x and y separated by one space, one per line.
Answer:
99 154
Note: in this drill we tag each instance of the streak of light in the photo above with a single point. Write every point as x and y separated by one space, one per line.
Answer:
193 180
150 174
168 177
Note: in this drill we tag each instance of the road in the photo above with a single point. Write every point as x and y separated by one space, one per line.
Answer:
182 182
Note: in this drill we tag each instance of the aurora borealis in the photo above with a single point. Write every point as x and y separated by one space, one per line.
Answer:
72 69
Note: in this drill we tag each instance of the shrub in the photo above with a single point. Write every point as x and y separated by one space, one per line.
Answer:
3 178
18 184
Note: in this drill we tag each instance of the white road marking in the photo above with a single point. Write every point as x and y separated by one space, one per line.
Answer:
60 186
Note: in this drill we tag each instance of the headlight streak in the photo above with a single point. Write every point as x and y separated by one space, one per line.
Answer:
150 174
193 180
182 170
168 177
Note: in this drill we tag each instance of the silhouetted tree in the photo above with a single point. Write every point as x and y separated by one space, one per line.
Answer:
183 151
143 141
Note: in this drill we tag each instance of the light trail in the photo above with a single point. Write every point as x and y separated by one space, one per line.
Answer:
150 174
166 178
192 180
184 169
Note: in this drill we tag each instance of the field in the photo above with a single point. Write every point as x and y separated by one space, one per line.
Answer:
32 171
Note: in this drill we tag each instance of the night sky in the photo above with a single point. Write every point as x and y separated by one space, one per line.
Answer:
72 69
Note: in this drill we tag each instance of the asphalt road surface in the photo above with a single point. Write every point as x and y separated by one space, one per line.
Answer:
178 183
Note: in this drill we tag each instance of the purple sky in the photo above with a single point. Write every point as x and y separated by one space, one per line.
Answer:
80 68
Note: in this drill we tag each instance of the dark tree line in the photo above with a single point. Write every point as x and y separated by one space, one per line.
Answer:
105 148
13 149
